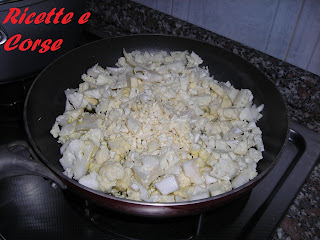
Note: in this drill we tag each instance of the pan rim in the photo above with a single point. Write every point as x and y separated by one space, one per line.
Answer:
236 191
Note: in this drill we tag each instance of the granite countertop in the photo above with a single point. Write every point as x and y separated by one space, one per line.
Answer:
300 88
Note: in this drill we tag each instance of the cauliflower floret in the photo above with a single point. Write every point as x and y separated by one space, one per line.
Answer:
209 179
241 148
66 131
109 173
193 60
250 114
104 78
103 154
184 81
124 183
149 170
183 180
69 116
112 170
55 130
255 154
243 97
199 193
216 88
230 113
232 93
153 146
167 185
202 100
220 187
76 158
95 71
118 145
94 135
245 175
225 168
90 181
212 128
92 93
76 99
191 170
168 159
133 125
144 193
176 170
222 145
165 198
88 122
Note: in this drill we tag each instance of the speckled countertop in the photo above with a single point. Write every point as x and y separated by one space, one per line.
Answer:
301 90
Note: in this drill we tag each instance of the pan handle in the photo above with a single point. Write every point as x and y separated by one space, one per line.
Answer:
18 158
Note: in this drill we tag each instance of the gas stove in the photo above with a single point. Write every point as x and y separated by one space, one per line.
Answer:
36 208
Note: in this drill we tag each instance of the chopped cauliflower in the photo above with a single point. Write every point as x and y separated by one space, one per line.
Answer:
158 128
167 185
76 158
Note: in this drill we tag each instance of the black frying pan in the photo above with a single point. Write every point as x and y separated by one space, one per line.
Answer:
46 100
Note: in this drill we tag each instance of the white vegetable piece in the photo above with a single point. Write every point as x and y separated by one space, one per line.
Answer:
167 185
199 193
194 59
76 158
243 97
216 189
112 170
191 170
76 99
133 125
149 170
90 181
144 194
225 168
209 179
55 130
95 71
92 93
245 175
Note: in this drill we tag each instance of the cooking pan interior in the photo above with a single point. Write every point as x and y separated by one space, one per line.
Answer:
46 99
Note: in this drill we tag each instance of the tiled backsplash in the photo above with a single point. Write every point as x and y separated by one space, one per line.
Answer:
286 29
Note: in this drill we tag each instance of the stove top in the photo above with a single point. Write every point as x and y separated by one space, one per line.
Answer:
32 207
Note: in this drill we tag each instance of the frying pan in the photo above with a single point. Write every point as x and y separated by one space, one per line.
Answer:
46 100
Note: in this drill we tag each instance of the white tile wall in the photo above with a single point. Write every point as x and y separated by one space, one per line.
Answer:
180 9
314 62
164 6
283 27
235 20
286 29
306 36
